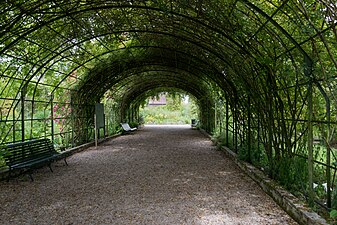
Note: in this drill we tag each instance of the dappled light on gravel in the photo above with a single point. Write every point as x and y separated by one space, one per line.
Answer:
157 175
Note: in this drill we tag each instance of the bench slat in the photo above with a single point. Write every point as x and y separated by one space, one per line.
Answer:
29 150
126 127
30 154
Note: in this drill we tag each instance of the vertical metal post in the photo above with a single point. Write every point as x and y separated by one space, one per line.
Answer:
249 131
132 113
45 122
327 140
107 121
95 127
14 129
233 116
270 127
258 132
110 124
52 117
87 119
129 114
328 157
23 93
215 115
104 130
72 122
235 127
137 113
308 72
310 144
227 122
210 117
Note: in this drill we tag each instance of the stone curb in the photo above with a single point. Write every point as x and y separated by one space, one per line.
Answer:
289 203
80 148
296 208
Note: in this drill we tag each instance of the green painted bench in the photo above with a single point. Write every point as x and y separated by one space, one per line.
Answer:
28 155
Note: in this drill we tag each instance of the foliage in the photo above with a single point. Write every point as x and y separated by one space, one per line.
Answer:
219 140
133 124
333 216
292 173
256 59
174 112
334 197
3 152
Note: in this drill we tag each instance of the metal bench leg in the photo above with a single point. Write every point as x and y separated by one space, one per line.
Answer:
31 177
49 165
65 160
9 175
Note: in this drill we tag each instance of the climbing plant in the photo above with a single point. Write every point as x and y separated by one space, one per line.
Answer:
263 74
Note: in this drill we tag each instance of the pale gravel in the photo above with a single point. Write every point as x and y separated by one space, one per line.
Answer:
158 175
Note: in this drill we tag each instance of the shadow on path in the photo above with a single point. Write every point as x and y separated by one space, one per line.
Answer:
157 175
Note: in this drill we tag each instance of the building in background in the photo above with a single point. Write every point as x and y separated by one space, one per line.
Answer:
154 101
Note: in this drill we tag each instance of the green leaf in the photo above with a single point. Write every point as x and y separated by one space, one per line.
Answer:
4 151
333 213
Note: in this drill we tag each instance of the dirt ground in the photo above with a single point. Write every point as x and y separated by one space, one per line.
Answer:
157 175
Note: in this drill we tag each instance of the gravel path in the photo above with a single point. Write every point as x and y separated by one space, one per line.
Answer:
158 175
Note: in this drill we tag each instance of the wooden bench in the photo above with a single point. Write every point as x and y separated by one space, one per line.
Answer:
127 128
31 154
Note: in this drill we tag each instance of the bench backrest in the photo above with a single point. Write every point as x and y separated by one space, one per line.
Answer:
29 150
126 126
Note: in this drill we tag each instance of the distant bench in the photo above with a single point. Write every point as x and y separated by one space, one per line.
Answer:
127 128
31 154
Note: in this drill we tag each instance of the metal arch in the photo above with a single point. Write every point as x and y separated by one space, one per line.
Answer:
280 28
137 32
159 71
148 8
160 75
164 69
174 78
97 56
140 72
221 41
45 23
115 74
137 91
185 54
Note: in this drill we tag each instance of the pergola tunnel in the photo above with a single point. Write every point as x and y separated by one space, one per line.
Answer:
263 74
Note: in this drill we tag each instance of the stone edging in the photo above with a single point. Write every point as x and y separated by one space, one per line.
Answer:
80 148
289 203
